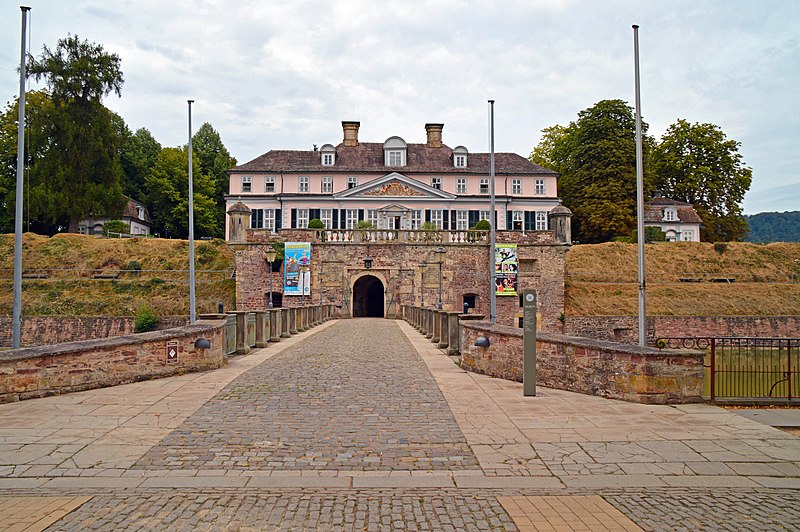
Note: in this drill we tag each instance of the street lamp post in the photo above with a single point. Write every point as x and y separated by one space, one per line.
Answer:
269 256
303 270
439 253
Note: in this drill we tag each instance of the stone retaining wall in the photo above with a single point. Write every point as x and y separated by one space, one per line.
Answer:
69 367
49 330
625 328
594 367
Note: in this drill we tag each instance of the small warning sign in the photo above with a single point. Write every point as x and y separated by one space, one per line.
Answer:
172 352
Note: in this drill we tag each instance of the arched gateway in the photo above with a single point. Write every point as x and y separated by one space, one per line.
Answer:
368 297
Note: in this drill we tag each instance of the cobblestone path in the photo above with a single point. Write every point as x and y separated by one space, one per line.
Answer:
717 509
355 396
306 511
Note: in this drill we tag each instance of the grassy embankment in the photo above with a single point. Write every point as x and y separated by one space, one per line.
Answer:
685 279
78 275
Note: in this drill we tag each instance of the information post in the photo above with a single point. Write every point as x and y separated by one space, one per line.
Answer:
529 342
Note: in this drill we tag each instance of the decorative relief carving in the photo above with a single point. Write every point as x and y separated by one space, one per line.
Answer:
394 189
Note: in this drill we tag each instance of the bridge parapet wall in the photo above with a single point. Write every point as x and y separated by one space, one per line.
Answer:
594 367
74 366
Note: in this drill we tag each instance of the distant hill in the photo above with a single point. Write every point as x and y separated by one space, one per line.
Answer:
768 227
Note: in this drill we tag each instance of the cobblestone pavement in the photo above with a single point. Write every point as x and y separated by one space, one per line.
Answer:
717 509
304 511
674 509
348 398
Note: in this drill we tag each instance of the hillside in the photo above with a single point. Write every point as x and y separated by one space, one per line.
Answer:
774 227
685 278
80 275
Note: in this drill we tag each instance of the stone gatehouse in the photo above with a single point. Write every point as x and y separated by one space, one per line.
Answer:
403 269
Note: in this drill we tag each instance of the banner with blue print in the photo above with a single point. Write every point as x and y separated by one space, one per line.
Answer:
295 255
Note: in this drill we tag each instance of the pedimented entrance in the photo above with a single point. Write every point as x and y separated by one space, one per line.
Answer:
368 294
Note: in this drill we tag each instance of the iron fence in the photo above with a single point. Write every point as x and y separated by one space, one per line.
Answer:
746 368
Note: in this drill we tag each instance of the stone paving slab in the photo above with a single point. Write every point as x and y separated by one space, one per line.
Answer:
575 437
569 512
32 514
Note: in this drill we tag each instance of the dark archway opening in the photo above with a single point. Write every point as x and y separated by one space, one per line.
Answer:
368 298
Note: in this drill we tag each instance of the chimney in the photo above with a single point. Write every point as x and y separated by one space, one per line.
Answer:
434 132
350 133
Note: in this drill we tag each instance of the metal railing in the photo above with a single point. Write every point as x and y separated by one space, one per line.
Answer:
746 368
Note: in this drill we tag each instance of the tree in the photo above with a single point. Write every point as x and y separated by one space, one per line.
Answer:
215 160
38 144
596 157
168 196
698 164
138 156
81 174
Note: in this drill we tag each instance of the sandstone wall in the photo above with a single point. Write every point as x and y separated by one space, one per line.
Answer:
68 367
465 271
595 367
625 328
48 330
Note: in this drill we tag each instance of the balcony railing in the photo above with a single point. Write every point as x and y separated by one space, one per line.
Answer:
402 235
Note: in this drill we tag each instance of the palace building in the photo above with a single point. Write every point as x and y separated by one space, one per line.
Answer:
392 185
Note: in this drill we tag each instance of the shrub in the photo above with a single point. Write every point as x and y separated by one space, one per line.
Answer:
316 223
145 320
483 225
720 247
428 226
116 226
364 224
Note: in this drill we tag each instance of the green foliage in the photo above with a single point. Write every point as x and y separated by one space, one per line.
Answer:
116 226
720 247
364 224
133 266
768 227
79 172
138 155
651 234
316 223
698 164
145 320
596 156
214 160
168 196
429 226
483 225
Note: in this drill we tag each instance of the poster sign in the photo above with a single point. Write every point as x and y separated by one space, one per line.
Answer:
296 254
505 269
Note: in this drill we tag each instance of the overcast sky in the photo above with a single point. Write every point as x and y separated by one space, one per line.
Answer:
283 75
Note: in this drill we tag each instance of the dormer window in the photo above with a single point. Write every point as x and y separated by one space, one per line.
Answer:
670 215
394 151
328 154
460 157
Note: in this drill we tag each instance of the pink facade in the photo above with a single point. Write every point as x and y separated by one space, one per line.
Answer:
393 185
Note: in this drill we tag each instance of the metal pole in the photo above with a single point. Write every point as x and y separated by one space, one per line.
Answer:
422 287
440 285
269 272
192 302
640 195
493 229
16 321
